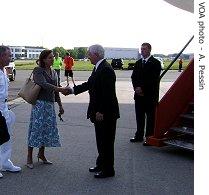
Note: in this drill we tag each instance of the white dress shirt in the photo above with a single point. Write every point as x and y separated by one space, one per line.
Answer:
98 63
146 59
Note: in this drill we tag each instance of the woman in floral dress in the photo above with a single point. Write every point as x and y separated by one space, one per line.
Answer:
43 130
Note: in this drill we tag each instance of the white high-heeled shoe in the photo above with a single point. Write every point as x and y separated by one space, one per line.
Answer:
1 175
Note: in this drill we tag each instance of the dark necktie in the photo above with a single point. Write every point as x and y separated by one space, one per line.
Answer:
143 63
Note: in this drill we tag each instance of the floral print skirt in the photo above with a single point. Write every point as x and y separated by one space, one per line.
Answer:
43 126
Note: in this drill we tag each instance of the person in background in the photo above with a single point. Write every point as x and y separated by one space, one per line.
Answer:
6 148
103 109
180 64
43 130
69 62
145 81
57 65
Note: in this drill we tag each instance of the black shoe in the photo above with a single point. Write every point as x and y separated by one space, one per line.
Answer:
94 169
103 174
135 139
146 144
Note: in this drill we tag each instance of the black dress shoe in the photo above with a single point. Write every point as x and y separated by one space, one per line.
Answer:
146 144
135 139
94 169
103 174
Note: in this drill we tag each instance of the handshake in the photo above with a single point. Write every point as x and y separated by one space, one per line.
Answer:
65 90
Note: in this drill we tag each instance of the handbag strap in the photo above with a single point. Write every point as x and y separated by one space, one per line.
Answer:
30 75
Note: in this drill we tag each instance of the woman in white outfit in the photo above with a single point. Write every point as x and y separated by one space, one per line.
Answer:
6 148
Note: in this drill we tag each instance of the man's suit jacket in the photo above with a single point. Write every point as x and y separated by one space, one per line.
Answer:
146 76
101 87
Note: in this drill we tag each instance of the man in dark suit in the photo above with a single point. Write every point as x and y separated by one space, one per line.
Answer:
103 109
145 80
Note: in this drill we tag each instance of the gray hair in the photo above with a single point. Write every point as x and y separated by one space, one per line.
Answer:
98 49
3 49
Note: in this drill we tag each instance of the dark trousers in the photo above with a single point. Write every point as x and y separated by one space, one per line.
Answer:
180 67
58 75
105 138
142 108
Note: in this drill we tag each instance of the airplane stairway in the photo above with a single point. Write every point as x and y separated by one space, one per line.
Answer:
182 135
174 121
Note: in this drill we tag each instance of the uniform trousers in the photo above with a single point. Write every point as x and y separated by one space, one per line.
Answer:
6 148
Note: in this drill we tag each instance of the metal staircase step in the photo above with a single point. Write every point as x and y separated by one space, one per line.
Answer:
188 116
186 130
187 120
180 143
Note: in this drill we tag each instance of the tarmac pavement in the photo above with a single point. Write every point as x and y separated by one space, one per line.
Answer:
139 170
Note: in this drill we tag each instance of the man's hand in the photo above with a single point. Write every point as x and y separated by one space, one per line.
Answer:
99 116
66 91
138 91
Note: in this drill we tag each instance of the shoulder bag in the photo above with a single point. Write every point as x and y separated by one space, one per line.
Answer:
29 91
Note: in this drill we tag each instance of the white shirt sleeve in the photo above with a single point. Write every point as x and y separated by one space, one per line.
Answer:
3 86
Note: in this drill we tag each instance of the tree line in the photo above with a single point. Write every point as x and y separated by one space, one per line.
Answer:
76 53
80 53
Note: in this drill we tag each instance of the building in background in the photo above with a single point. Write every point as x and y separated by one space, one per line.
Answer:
124 53
116 53
25 52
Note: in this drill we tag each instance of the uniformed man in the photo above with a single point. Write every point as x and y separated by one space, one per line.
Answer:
6 148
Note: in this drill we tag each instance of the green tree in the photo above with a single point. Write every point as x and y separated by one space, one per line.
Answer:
73 53
82 51
60 50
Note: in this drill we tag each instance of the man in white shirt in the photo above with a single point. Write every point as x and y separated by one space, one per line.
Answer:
6 148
